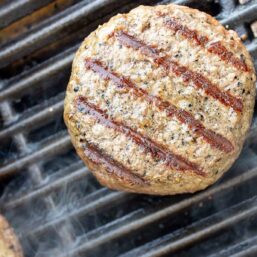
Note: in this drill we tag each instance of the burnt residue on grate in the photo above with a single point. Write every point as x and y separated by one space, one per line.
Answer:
54 203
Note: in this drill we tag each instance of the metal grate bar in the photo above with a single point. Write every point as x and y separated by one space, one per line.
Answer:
56 26
54 148
89 241
227 7
18 85
59 174
99 199
135 224
47 188
107 233
35 172
252 251
17 9
241 15
181 2
20 141
240 247
209 226
35 120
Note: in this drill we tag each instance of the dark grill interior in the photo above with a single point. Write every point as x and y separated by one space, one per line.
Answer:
55 205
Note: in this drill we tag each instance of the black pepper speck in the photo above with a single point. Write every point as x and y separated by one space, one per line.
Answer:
76 89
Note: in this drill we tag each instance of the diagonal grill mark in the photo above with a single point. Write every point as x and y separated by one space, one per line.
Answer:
112 166
214 139
156 150
197 79
215 47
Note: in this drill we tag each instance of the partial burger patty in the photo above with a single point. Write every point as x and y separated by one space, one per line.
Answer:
160 100
9 244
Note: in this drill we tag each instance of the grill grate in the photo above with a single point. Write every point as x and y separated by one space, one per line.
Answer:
54 203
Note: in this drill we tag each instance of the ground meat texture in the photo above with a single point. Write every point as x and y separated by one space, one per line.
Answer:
9 244
160 100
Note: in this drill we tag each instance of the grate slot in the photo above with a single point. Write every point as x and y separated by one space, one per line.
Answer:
26 23
198 231
54 148
34 170
241 15
227 7
56 27
17 86
40 134
120 228
37 119
8 151
238 248
48 185
252 251
74 36
101 198
17 9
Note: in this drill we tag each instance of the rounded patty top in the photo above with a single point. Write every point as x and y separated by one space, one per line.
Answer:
160 100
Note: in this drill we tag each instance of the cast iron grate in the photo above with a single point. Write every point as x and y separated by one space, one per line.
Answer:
55 205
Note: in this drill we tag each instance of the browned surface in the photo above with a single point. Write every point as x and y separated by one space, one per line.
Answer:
170 65
157 151
216 48
210 136
113 167
144 94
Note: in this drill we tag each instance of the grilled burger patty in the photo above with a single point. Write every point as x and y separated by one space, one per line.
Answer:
9 244
160 100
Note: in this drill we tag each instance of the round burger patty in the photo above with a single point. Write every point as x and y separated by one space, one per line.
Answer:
160 100
9 244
